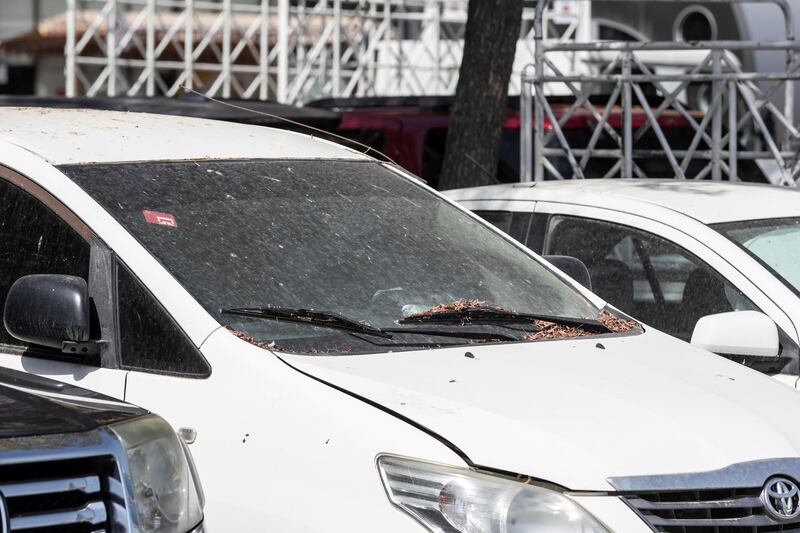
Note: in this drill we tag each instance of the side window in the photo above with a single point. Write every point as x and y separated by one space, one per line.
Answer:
34 240
513 223
646 276
148 337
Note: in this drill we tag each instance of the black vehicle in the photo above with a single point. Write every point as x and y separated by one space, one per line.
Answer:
72 460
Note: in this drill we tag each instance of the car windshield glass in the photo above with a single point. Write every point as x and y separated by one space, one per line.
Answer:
774 242
350 238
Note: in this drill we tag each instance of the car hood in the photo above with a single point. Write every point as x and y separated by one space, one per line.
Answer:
577 412
32 405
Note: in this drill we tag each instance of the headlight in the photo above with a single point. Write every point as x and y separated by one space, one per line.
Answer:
448 500
164 490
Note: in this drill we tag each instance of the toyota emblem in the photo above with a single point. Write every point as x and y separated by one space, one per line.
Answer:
781 499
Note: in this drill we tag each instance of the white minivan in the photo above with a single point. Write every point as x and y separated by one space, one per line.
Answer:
347 351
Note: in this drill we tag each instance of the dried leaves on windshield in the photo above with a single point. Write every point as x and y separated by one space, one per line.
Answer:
616 323
252 340
550 330
457 306
275 348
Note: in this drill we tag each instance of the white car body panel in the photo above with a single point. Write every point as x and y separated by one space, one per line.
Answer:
284 451
109 381
145 137
278 449
617 411
706 201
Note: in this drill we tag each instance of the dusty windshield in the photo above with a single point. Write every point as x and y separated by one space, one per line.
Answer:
774 242
351 240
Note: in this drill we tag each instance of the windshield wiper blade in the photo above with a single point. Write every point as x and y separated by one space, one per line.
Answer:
309 316
487 315
455 333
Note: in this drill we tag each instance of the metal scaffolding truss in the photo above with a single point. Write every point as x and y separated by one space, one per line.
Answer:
741 123
272 49
287 50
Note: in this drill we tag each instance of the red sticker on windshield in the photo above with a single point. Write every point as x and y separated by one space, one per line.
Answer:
162 219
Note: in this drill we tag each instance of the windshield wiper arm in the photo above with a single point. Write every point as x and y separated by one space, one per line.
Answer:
486 315
309 316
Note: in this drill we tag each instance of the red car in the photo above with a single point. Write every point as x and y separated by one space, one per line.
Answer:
413 130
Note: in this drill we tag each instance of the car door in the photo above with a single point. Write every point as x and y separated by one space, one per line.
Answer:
38 235
662 276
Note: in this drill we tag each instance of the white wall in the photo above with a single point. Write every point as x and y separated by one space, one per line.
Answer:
16 16
20 16
765 23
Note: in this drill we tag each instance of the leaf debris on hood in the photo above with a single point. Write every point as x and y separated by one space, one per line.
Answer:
616 323
457 306
550 330
252 340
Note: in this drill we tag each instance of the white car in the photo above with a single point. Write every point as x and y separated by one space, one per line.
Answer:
348 351
669 252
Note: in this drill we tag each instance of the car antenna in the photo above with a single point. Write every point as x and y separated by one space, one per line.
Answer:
367 148
480 167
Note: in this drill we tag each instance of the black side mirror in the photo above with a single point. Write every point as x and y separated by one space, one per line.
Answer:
572 267
48 310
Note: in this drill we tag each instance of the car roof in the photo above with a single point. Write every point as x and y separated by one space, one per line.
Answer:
77 136
709 202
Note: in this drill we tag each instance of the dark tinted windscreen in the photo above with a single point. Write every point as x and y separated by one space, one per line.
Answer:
353 238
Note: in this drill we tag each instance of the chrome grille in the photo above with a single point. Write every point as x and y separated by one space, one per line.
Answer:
717 511
721 501
68 495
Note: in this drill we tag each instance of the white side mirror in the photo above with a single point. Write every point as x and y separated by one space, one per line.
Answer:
744 333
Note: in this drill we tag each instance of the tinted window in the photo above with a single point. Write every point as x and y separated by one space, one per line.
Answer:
500 219
644 275
346 237
34 240
514 223
149 338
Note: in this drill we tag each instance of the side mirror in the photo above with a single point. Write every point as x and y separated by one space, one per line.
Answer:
742 333
48 310
572 267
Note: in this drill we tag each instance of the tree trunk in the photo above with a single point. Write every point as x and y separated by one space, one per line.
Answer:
476 122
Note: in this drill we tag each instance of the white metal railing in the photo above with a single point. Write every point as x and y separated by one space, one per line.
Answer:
272 49
290 51
741 123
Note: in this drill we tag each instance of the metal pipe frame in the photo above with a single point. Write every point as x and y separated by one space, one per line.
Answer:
289 51
738 105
